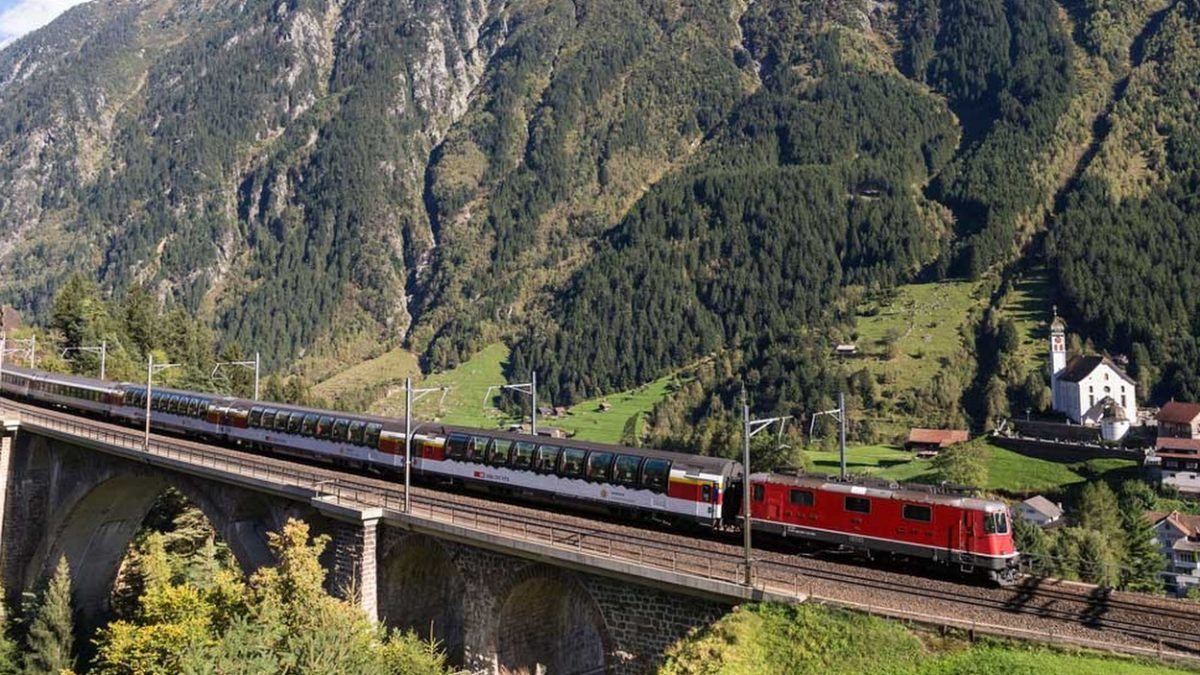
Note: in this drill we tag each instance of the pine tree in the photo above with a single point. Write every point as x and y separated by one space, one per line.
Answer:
1099 512
1144 561
9 661
51 636
1033 544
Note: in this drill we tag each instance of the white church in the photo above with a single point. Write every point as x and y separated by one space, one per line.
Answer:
1090 390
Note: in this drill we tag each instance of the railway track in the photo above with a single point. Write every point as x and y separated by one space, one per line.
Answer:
1036 606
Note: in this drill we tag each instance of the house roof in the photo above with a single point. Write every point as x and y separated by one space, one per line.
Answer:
1186 445
1179 412
1185 523
939 437
1044 506
1080 367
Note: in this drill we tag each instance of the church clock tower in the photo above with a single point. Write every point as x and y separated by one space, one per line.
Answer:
1058 349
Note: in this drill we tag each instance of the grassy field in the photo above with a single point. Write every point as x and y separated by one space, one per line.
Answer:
628 408
392 367
467 385
1008 472
804 639
1029 306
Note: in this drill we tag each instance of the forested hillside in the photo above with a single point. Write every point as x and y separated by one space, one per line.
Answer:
616 188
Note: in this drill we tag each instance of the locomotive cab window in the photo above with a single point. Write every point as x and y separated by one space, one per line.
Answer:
371 434
625 469
921 514
801 497
498 452
571 464
355 432
546 458
858 504
598 465
522 455
655 473
456 446
995 523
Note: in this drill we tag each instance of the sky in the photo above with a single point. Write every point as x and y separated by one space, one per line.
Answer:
18 17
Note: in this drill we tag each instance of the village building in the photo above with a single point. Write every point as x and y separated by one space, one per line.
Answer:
1039 511
1179 420
1178 537
932 441
1084 386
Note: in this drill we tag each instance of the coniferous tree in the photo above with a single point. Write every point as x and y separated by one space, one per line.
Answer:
9 656
51 635
1099 511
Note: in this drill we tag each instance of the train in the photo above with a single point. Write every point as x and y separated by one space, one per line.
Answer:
946 527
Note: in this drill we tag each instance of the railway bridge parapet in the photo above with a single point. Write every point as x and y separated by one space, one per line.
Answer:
496 602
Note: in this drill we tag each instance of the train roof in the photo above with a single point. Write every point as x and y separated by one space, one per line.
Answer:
683 460
930 494
65 378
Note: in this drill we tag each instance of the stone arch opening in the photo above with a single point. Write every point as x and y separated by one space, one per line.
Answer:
421 589
549 623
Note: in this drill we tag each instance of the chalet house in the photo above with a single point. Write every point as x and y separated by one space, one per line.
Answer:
1083 385
934 440
1178 462
1039 511
1179 420
1178 536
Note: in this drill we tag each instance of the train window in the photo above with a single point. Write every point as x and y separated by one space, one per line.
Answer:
268 419
801 497
758 492
283 420
355 432
456 446
598 465
522 455
995 523
309 425
921 514
858 504
478 448
498 452
339 430
255 415
371 434
655 474
173 403
324 426
706 493
571 464
625 469
546 458
294 422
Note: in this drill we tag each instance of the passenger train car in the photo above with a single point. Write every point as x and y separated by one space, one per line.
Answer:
679 488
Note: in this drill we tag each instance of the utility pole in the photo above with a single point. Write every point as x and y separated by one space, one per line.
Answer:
102 350
151 369
249 365
751 428
840 414
529 389
411 396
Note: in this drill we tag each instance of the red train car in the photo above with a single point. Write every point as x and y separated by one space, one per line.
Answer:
910 521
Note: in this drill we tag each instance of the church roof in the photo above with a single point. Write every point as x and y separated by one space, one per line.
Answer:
1114 412
1058 324
1080 367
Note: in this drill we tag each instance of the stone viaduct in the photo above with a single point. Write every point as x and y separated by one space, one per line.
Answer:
496 605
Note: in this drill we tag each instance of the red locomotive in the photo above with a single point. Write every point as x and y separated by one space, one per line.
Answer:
921 522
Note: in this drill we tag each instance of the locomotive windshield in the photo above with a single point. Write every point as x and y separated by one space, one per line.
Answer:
995 523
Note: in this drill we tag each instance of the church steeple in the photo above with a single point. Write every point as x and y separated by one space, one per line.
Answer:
1058 345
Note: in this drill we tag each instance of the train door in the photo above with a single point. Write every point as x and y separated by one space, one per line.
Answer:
774 504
